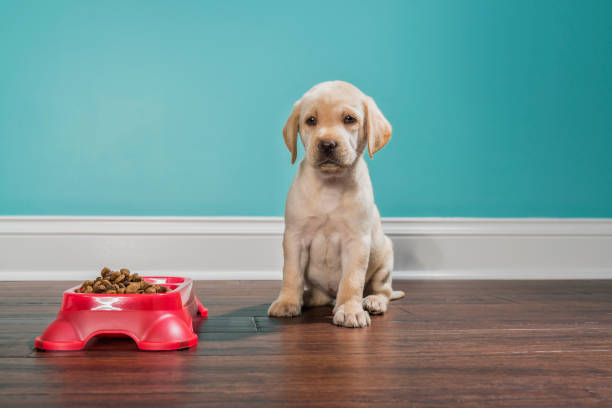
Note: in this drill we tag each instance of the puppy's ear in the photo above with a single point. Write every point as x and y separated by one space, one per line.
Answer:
291 129
377 128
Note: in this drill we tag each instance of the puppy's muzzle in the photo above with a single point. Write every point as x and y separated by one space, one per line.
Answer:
327 147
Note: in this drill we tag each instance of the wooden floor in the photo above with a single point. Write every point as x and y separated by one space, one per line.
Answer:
448 343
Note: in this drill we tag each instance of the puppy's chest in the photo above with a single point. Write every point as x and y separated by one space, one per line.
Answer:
325 201
325 260
328 223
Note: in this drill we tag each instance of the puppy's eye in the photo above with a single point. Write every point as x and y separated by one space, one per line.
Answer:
349 119
311 121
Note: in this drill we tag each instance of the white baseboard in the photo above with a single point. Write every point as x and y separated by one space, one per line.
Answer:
250 247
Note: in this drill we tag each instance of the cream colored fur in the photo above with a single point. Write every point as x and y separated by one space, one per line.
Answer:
334 246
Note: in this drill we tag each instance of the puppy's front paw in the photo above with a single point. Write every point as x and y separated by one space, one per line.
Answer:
284 308
351 314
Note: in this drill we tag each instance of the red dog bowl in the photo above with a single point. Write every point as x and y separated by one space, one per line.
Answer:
156 321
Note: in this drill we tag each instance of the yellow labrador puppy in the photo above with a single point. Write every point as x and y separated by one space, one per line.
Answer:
333 244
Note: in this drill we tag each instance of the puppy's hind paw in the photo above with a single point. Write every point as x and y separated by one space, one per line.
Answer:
284 308
348 315
375 304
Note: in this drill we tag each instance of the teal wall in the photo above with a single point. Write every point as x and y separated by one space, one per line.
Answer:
499 108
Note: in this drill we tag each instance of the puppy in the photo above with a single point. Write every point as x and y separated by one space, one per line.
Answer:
334 246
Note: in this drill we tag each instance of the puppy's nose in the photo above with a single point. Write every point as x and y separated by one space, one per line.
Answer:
327 146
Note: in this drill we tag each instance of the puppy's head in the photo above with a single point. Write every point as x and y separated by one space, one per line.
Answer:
336 122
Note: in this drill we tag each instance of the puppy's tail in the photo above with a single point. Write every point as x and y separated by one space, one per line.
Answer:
397 294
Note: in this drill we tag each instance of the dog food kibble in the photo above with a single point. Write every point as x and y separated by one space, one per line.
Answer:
120 282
